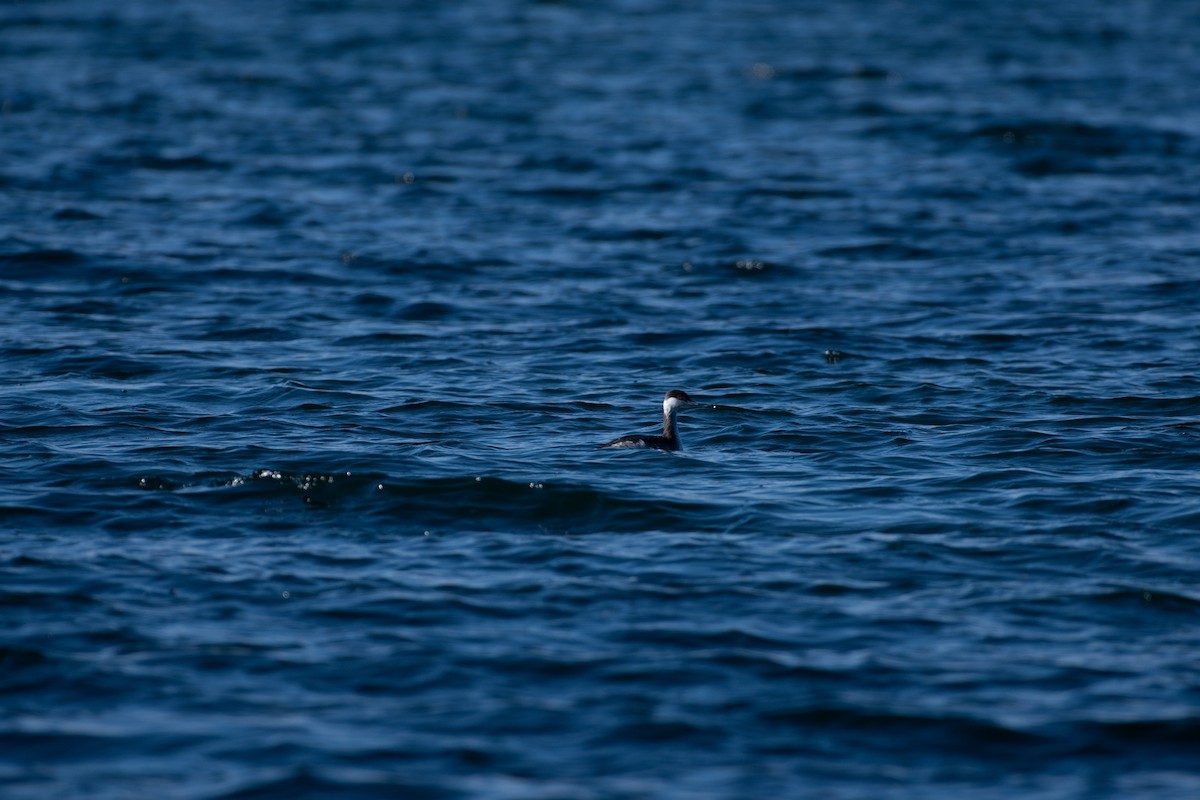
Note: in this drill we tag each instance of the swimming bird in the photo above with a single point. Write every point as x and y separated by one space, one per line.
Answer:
670 437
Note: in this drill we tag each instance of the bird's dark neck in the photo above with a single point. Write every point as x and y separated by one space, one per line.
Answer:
669 428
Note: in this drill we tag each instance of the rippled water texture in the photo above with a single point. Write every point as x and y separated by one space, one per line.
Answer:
313 314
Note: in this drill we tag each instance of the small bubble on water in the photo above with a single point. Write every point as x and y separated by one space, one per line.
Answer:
286 595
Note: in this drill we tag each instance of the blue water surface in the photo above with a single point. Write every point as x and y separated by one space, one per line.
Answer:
313 314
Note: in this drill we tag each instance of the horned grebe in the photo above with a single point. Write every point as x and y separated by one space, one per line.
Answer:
670 438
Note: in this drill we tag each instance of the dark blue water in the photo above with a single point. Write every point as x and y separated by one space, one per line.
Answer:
313 314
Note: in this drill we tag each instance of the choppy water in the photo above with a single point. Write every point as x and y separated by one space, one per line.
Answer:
313 314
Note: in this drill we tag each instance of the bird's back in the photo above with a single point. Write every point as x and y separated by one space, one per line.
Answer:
649 442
